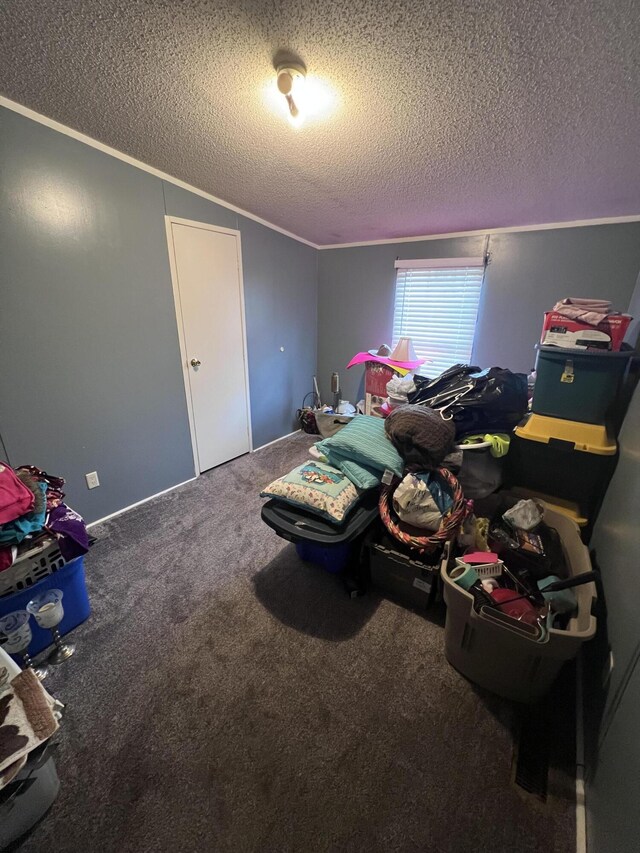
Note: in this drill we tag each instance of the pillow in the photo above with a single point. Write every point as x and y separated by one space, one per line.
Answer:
361 476
363 441
316 487
319 455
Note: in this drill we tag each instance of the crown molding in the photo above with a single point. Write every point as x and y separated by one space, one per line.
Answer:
119 155
509 229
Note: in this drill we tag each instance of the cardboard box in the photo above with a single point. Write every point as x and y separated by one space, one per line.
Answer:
561 331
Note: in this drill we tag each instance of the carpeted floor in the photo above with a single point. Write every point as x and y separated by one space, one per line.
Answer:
227 697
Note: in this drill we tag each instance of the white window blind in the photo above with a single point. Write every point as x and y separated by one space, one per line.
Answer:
436 305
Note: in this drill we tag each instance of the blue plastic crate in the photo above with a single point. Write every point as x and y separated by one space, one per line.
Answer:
332 558
70 579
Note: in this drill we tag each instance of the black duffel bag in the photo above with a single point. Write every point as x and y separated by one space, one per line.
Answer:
478 401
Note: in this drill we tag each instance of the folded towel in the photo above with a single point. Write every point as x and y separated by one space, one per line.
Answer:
591 311
602 305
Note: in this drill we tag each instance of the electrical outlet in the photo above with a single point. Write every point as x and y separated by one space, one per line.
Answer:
92 480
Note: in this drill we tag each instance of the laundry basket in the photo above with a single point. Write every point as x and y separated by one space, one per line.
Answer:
481 473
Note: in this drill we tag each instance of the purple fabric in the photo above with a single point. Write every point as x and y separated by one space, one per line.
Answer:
70 530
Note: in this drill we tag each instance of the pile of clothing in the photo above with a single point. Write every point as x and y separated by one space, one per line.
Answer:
33 514
591 311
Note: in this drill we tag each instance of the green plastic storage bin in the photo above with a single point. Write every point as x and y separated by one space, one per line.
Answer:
578 385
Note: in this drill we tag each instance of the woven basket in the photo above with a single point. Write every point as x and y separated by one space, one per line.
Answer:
449 525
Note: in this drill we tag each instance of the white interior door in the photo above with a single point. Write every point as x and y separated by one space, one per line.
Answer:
207 280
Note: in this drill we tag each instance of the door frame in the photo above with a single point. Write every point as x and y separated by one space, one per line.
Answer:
169 221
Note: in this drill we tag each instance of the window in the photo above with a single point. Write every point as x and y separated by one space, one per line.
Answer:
436 305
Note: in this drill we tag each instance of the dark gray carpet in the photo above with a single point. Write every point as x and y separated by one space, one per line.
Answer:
227 697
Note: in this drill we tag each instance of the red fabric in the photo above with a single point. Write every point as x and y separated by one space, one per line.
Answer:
7 556
15 498
522 609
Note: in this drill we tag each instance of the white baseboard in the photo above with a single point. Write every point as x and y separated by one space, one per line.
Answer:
177 486
282 437
139 503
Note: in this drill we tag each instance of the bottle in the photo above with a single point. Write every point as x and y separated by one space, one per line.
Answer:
531 381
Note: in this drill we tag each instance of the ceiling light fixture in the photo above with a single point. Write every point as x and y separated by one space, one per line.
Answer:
291 83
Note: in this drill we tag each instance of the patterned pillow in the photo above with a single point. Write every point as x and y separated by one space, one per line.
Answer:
316 487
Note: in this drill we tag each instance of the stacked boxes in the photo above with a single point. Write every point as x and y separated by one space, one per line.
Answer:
567 452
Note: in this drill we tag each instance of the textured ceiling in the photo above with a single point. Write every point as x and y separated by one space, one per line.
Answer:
449 115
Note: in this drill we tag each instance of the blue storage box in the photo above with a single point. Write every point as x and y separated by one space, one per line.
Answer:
578 385
70 579
332 558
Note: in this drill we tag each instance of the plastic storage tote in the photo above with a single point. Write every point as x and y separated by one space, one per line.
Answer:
70 579
320 541
578 385
568 460
505 661
568 508
570 435
332 558
410 580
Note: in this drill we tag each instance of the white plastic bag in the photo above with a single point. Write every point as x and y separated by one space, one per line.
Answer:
413 504
526 515
400 388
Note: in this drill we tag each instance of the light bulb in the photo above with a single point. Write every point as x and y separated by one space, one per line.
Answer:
291 80
299 97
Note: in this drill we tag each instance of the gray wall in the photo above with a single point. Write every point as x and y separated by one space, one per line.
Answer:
90 375
613 824
280 291
611 713
280 280
528 273
633 332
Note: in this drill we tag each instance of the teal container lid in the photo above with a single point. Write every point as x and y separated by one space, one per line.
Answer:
572 352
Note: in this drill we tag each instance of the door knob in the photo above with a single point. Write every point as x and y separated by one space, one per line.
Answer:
195 362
